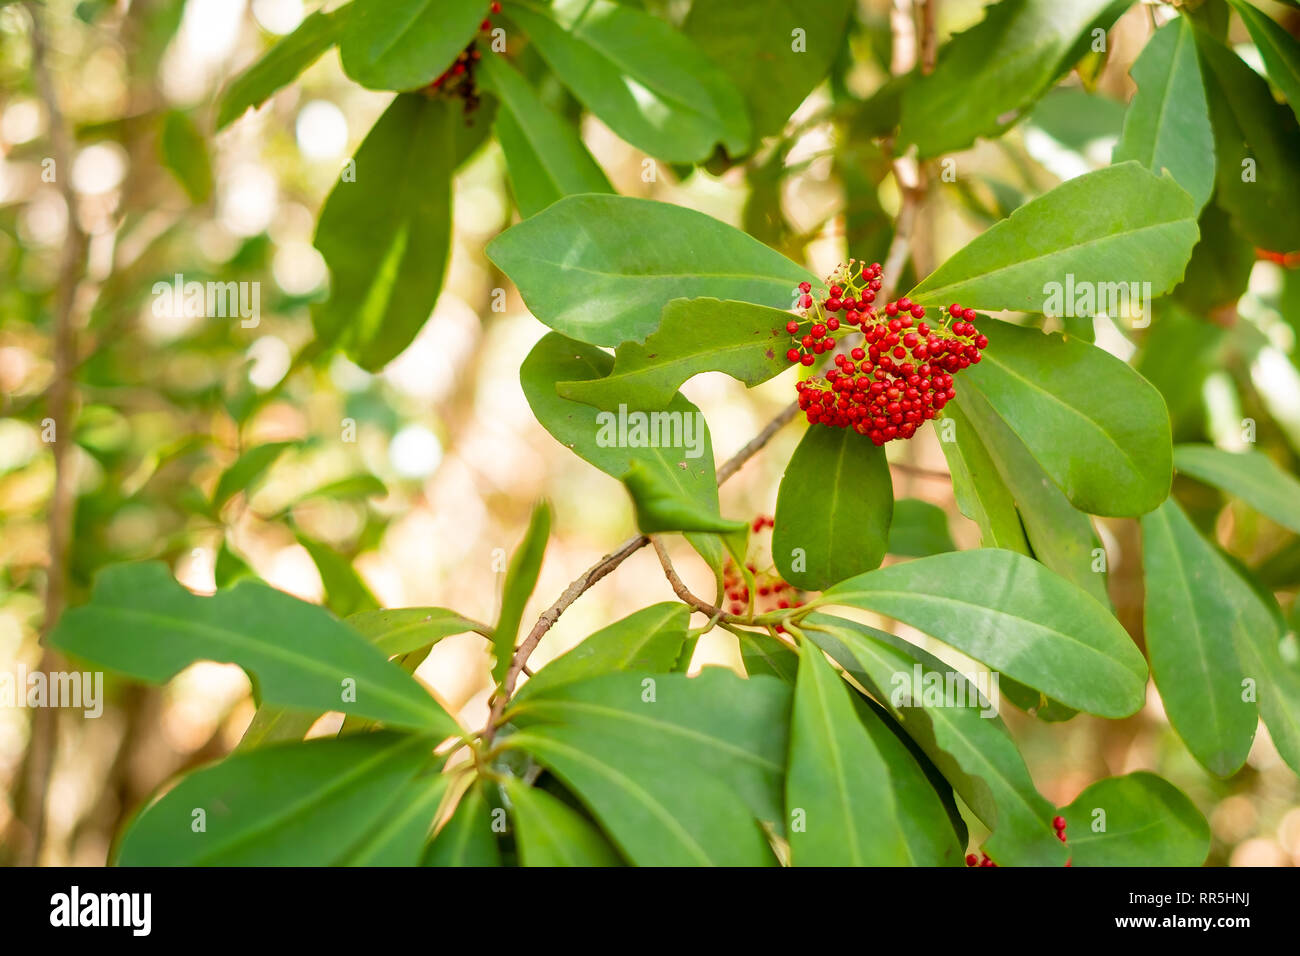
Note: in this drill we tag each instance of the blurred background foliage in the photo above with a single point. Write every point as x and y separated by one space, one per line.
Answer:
227 450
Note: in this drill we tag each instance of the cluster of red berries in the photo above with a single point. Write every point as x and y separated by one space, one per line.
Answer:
771 591
1058 824
902 378
458 79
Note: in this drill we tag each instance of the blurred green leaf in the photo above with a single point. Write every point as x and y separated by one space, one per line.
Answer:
649 84
185 152
1249 475
521 578
280 65
405 44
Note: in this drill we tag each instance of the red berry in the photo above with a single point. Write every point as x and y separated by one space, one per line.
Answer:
805 287
792 327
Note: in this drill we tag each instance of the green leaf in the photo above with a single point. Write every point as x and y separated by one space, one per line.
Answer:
754 44
397 631
746 341
668 764
601 268
1148 822
521 578
272 806
661 507
345 592
596 439
977 485
988 77
833 508
1107 229
1168 122
247 470
280 65
967 742
649 640
467 839
141 622
544 153
405 44
1190 619
1099 430
1011 613
1277 48
1250 475
646 82
552 834
1059 535
856 798
762 654
400 837
1218 273
185 152
1257 140
386 235
919 528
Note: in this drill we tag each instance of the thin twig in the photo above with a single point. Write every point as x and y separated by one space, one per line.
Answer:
680 589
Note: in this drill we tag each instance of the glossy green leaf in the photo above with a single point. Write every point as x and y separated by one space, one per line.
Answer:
1013 614
468 838
1190 618
649 640
1218 273
1106 229
679 771
521 578
400 836
977 485
601 268
1059 535
1258 144
987 77
660 506
856 798
833 508
919 528
280 65
1277 48
1099 430
544 153
762 654
594 436
401 630
185 152
746 341
755 44
141 622
648 83
1250 475
549 833
271 806
963 737
1168 122
385 233
1147 822
405 44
